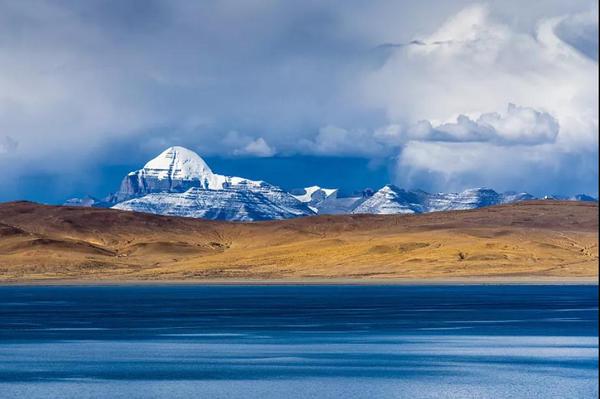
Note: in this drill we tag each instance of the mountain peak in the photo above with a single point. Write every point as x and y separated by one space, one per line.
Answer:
389 188
178 163
314 194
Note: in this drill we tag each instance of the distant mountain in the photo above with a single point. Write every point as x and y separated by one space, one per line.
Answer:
315 194
338 206
578 197
176 170
311 196
179 183
229 204
326 200
583 197
86 201
391 199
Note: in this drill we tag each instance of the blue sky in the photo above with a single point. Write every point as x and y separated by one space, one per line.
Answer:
439 95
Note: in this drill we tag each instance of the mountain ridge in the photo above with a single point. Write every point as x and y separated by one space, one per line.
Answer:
179 182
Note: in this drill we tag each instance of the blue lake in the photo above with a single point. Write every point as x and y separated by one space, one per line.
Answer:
511 341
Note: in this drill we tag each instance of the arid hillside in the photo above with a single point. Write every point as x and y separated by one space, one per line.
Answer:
525 240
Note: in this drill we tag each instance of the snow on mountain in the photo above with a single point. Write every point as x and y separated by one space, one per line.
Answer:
177 163
578 197
583 197
468 199
179 182
325 201
233 204
337 205
391 200
176 170
314 194
511 196
86 201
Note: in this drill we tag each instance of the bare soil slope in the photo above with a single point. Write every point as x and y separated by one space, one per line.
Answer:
533 239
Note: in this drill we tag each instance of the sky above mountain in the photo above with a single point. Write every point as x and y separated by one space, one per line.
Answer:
439 95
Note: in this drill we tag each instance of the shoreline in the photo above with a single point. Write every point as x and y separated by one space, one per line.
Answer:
309 281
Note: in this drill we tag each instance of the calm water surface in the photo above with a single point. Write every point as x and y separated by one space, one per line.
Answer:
299 342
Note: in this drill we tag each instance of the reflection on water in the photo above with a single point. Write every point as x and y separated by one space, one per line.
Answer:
299 342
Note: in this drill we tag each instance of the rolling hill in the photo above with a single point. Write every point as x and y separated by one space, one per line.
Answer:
538 239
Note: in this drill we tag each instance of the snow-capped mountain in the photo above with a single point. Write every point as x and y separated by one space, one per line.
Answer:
236 204
582 197
391 199
470 199
338 205
578 197
512 196
178 169
178 182
86 201
325 201
315 194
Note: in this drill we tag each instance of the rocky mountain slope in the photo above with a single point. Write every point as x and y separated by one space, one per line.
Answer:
178 182
235 204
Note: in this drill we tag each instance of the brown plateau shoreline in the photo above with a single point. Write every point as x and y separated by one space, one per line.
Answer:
538 242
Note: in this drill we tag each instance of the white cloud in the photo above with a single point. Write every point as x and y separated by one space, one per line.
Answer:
473 64
538 169
8 144
257 148
334 140
518 126
451 85
236 143
580 30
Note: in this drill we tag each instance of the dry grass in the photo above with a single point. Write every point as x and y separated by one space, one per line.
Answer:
529 240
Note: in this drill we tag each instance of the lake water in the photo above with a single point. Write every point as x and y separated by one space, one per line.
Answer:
299 342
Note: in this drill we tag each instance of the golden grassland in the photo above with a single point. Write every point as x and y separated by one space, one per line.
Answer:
529 241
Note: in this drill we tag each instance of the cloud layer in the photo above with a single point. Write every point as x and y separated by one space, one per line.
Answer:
451 94
519 125
473 64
